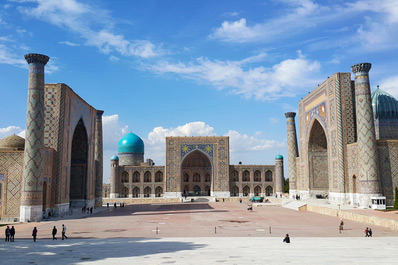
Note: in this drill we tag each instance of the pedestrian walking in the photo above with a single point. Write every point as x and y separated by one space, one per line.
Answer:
286 239
64 232
7 234
370 232
91 210
54 233
34 234
366 232
12 234
107 205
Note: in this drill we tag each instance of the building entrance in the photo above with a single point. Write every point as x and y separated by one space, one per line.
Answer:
196 174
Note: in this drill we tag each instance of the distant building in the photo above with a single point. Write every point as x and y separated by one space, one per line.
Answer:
348 144
195 166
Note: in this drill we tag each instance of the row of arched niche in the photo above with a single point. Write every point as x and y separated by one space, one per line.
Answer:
246 176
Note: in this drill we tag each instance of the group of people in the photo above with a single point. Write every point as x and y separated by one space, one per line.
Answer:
10 234
368 232
88 209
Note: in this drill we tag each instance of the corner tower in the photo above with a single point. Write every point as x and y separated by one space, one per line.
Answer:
279 179
368 178
32 190
292 150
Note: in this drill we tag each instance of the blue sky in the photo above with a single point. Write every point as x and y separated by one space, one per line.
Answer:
187 68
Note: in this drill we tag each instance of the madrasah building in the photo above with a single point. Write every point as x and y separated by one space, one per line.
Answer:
347 149
59 163
195 166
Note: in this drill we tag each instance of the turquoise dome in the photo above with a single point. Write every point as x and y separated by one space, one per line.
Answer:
114 158
279 157
384 105
130 143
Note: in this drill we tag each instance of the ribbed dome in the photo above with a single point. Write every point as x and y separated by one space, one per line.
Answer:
384 105
13 142
131 143
114 158
279 157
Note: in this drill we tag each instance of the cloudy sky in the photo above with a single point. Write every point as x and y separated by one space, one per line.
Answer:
188 68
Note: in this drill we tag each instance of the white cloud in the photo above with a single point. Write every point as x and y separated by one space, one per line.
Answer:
72 44
10 130
85 20
241 145
390 85
248 148
303 14
113 58
113 130
273 120
281 80
9 57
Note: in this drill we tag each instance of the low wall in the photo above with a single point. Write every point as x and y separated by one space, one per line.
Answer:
358 217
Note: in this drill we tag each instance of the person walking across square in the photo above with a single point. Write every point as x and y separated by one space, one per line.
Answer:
54 233
64 232
7 233
34 234
12 234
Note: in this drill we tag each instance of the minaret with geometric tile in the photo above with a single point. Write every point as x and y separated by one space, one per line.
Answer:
292 150
98 159
368 180
32 190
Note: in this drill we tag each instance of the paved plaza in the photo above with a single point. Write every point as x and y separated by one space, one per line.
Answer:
200 233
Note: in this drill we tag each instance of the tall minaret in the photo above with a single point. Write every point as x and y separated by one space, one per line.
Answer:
292 150
98 159
32 190
366 137
279 179
114 177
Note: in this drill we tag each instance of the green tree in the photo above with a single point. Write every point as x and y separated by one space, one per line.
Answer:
286 186
396 198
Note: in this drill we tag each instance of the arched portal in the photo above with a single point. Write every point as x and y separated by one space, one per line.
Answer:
318 158
197 165
79 164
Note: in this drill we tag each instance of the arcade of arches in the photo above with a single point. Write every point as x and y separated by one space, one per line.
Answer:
195 166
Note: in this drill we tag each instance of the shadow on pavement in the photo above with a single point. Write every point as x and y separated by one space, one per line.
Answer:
81 250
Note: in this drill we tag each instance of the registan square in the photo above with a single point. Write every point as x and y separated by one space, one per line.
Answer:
71 192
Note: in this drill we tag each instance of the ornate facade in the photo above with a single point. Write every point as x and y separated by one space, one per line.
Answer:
59 165
348 151
195 166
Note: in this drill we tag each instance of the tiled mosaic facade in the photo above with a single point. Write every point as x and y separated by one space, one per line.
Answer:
47 176
195 166
337 118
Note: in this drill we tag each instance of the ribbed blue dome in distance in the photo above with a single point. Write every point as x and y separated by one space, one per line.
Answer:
114 158
384 105
279 157
130 143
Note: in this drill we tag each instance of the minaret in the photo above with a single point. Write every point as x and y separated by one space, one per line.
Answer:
279 179
98 159
32 190
366 137
292 150
114 177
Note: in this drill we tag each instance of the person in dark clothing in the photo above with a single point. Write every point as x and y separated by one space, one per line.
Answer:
366 232
34 234
7 233
115 205
286 239
54 233
12 234
370 232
